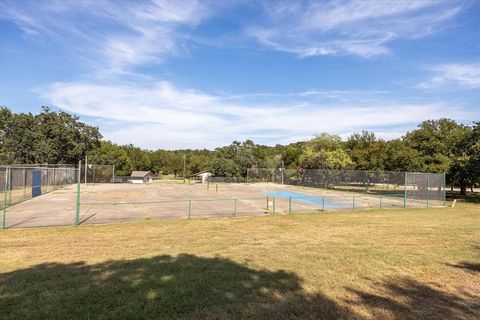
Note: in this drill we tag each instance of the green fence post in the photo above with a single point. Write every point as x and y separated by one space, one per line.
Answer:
353 203
289 204
46 184
234 207
5 199
24 183
10 201
77 204
273 205
189 208
428 189
405 191
444 191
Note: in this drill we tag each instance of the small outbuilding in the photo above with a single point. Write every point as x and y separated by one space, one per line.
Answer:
141 177
204 175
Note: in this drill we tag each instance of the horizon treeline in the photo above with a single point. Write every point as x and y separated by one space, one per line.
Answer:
441 145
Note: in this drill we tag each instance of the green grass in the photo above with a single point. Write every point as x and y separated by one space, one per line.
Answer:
391 264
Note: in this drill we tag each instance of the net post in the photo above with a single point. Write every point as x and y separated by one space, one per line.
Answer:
77 202
5 199
289 204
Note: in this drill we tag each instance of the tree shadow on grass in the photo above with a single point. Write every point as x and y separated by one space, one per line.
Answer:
465 265
406 298
167 287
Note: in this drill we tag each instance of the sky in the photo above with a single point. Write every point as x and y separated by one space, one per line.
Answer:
200 74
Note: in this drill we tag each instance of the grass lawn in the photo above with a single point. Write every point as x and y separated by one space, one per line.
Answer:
391 264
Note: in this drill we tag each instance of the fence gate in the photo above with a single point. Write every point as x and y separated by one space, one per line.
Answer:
36 183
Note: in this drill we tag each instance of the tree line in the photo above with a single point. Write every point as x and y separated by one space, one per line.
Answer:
441 145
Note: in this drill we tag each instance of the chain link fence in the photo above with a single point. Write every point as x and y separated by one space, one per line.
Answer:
428 188
22 182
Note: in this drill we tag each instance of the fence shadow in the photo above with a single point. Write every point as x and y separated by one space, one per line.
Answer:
165 287
406 298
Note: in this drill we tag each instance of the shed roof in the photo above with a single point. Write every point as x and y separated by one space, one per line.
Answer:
140 174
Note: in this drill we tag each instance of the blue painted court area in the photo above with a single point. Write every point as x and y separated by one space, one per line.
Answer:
305 198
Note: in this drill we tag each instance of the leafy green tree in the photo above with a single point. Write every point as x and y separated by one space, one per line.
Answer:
139 158
366 151
325 152
48 137
441 144
111 154
401 157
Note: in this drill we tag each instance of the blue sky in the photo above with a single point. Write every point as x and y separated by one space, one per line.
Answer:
194 74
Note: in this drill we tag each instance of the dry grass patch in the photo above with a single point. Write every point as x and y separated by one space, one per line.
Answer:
397 264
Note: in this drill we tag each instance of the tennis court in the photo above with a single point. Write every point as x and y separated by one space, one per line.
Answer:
113 203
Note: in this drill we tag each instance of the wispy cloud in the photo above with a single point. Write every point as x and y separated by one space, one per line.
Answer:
455 74
112 36
356 27
160 114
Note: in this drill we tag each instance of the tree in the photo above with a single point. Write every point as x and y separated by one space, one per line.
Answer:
441 144
325 152
48 137
366 151
111 154
399 156
140 158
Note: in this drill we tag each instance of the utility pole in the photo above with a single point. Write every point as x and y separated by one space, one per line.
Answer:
184 166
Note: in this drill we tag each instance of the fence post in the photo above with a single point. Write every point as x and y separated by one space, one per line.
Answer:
289 204
428 189
216 187
444 190
77 204
268 209
234 207
5 199
189 208
10 186
323 203
405 191
24 183
273 205
46 183
380 202
353 203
